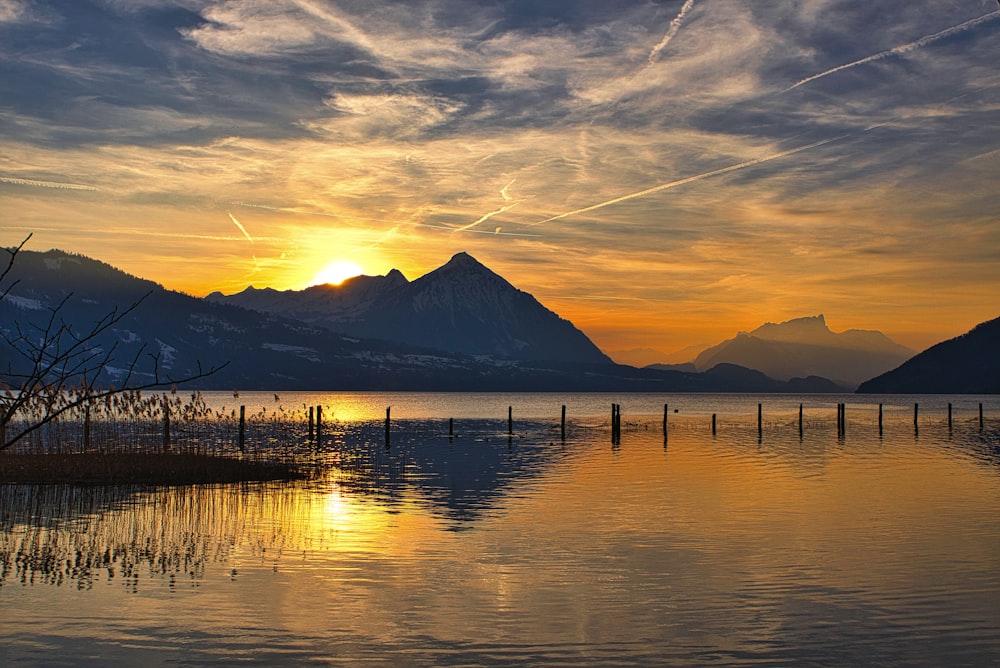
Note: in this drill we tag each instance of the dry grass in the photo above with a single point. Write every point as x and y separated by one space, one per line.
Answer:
139 469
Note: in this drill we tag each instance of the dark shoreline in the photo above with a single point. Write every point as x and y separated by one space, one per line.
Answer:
139 469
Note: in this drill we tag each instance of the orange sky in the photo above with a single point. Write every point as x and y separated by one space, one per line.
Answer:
663 176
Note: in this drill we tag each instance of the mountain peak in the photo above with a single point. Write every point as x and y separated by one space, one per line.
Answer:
463 260
795 328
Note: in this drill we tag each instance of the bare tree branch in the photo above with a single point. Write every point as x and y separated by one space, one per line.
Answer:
64 366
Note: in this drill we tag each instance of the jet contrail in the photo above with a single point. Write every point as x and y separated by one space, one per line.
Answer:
899 50
691 179
675 26
508 204
242 229
45 184
253 247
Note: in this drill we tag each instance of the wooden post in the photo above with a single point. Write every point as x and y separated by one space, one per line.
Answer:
949 416
980 416
843 419
713 424
510 420
800 419
166 424
86 429
760 421
880 419
616 423
665 413
319 424
916 411
451 427
387 410
563 423
310 423
243 428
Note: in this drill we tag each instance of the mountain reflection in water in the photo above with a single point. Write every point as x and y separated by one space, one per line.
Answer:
492 549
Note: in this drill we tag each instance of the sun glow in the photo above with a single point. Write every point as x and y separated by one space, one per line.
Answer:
337 271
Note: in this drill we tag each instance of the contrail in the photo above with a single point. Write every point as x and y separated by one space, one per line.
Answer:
242 229
899 50
508 205
675 26
45 184
691 179
253 247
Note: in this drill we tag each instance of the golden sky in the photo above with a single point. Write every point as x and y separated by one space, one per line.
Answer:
662 174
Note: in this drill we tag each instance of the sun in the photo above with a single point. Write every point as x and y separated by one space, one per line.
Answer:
337 271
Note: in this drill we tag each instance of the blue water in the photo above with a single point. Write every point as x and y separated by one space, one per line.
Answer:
772 547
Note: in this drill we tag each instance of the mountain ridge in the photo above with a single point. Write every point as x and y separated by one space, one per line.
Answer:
966 364
806 346
270 352
461 307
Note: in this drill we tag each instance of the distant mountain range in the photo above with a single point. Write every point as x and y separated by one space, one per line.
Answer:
459 328
807 347
968 364
461 307
270 351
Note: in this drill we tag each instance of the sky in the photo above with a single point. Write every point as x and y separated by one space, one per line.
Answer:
663 174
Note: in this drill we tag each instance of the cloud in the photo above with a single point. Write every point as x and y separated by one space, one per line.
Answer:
58 185
902 49
690 179
13 11
675 26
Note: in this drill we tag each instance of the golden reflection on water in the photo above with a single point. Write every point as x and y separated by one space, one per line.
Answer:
696 550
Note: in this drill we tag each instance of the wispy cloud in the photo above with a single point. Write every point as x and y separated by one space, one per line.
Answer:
691 179
509 203
902 49
59 185
675 26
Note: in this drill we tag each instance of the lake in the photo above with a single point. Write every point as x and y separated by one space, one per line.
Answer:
817 546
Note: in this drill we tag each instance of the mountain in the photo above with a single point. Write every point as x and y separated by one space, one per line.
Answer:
807 347
650 356
461 307
968 364
271 352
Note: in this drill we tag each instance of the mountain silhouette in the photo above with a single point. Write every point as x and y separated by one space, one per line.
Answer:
461 307
967 364
807 347
266 351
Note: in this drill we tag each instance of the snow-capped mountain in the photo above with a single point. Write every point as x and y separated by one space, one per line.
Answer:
461 307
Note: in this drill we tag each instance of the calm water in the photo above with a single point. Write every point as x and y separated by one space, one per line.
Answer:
738 548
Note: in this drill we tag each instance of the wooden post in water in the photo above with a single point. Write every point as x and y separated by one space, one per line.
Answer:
387 410
949 416
980 416
713 424
319 424
563 423
243 428
843 419
510 420
760 421
665 413
310 424
166 424
451 427
916 411
880 419
800 420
